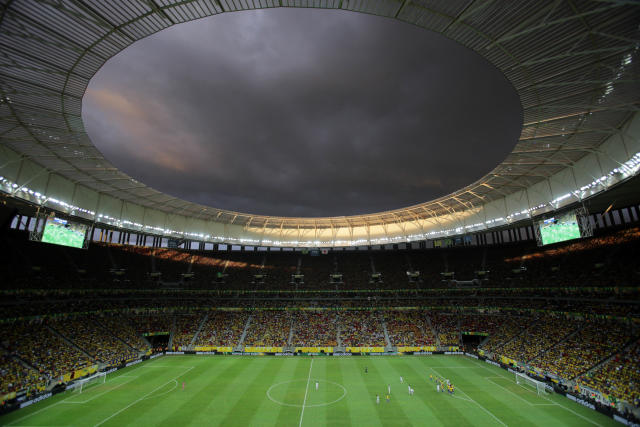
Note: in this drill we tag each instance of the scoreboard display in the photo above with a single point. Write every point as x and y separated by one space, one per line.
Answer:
560 228
63 232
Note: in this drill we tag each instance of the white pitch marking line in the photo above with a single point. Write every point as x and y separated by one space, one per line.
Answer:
38 411
166 366
552 402
507 390
305 393
104 392
519 385
481 407
142 398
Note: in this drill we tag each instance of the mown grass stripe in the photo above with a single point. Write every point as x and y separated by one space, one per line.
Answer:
338 413
290 415
248 408
164 399
390 413
362 407
206 383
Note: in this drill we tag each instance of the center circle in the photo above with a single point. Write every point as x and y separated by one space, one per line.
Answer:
292 393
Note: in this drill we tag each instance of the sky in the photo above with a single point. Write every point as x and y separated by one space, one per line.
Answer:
302 113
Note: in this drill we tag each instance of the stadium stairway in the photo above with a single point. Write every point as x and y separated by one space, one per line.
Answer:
291 330
515 336
386 334
18 359
607 359
146 341
484 341
566 338
563 339
68 341
108 332
200 326
173 332
433 331
245 331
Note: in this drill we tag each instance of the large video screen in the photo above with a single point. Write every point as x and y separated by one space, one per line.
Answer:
62 232
559 228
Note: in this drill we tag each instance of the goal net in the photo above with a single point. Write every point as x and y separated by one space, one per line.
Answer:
85 383
538 386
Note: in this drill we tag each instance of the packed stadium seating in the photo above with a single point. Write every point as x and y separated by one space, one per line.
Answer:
269 329
562 310
185 328
361 328
409 328
43 349
14 376
222 328
314 329
84 333
619 377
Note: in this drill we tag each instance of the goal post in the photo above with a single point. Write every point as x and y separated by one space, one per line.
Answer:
85 383
525 380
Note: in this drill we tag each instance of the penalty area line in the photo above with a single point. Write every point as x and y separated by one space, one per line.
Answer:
142 398
472 400
306 391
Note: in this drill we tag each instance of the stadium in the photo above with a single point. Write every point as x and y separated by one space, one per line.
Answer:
513 300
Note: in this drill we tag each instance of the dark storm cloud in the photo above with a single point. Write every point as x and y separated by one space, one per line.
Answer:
302 113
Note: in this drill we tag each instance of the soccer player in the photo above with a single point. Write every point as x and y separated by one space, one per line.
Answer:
388 398
410 392
409 388
366 370
389 388
401 380
183 385
438 388
316 385
377 399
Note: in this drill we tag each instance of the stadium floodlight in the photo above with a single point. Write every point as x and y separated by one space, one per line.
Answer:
83 384
526 381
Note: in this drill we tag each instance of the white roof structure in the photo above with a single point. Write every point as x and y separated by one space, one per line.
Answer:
575 65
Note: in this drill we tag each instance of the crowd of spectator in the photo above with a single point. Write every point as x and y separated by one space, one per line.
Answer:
619 377
314 329
541 335
185 327
592 277
151 323
43 349
268 328
222 328
15 377
121 328
593 343
509 328
447 327
409 328
97 342
361 328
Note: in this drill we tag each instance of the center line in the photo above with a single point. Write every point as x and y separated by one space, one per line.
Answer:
305 393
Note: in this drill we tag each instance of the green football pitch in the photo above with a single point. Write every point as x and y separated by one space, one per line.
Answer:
281 391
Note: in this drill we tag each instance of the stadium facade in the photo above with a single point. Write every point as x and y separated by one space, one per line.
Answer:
574 68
